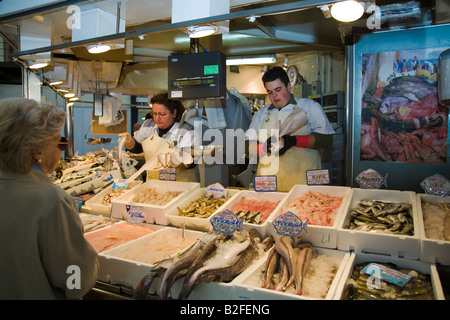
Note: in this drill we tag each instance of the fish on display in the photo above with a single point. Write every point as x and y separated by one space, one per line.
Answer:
214 257
290 260
174 267
383 217
226 222
230 258
360 286
371 179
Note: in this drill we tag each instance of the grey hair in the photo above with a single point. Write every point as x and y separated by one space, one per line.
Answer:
25 125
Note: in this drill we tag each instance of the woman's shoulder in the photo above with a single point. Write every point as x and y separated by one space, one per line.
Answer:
187 126
47 188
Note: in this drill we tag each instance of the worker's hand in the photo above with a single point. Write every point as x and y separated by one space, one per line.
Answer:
288 142
273 146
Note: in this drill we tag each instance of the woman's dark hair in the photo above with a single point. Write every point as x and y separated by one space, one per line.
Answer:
172 105
276 73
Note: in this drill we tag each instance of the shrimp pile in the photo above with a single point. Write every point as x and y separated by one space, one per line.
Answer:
321 209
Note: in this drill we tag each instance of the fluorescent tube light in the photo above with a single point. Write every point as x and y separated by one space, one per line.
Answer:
251 60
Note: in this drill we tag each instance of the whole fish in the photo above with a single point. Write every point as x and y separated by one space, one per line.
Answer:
146 282
381 216
284 276
222 266
271 265
284 247
195 253
302 262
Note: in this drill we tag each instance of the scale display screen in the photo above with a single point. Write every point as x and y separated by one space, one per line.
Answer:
197 75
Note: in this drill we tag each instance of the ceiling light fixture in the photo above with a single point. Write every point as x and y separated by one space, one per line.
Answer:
98 48
74 99
69 104
55 83
69 95
347 11
201 31
251 60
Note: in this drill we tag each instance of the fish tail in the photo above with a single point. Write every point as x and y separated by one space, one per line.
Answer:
305 226
144 286
385 180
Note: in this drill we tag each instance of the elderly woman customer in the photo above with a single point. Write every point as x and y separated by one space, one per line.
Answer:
43 252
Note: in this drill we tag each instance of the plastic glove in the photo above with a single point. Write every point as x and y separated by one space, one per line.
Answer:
289 141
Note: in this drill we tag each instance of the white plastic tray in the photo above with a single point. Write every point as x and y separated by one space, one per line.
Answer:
247 286
320 236
357 258
128 272
203 224
380 243
272 196
95 205
432 250
153 213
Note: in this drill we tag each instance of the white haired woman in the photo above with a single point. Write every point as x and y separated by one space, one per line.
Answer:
43 252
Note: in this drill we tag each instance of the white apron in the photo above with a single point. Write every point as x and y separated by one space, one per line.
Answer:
289 168
154 145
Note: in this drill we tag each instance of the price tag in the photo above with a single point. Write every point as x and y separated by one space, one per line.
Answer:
436 185
226 222
135 214
265 183
289 224
120 184
387 274
168 174
217 190
317 177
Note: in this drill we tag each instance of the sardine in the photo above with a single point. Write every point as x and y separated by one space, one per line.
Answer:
380 216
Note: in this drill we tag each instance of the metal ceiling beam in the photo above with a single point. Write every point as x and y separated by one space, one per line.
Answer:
265 26
282 8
